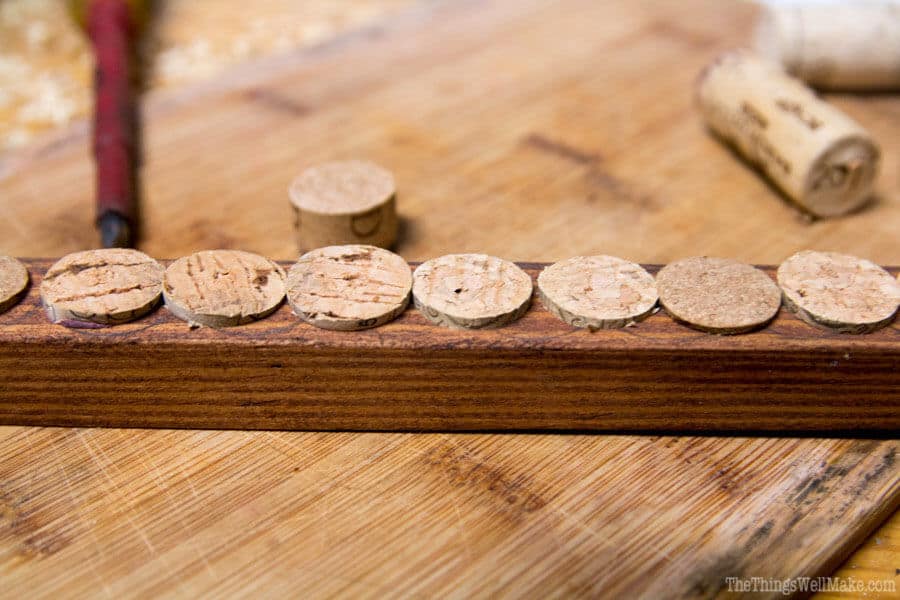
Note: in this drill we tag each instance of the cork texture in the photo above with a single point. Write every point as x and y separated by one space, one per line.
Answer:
834 45
820 158
223 288
597 292
471 291
13 282
348 288
718 295
341 203
98 288
838 291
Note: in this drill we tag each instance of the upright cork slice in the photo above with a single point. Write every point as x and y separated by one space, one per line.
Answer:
96 288
471 291
818 156
597 292
838 291
223 288
352 202
347 288
718 295
13 282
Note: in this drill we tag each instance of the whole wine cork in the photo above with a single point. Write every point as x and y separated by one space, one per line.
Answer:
13 282
597 292
96 288
838 291
718 295
347 288
338 203
846 46
818 156
223 288
471 291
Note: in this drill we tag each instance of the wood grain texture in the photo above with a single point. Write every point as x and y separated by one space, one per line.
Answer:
410 374
188 513
876 560
534 131
593 146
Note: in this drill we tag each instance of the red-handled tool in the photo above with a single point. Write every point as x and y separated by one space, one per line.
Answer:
113 26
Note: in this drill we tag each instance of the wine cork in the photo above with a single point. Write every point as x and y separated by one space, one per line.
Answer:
13 282
718 295
818 156
96 288
597 292
338 203
471 291
836 46
223 288
347 288
838 291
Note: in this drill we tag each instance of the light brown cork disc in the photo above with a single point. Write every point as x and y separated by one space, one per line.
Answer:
717 295
95 288
841 292
351 202
13 281
597 292
471 291
223 288
347 288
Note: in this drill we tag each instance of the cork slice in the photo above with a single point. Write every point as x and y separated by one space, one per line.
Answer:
718 295
342 188
471 291
597 292
96 288
348 288
223 288
838 291
13 282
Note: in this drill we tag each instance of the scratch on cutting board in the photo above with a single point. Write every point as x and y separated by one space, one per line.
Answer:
123 499
96 546
157 478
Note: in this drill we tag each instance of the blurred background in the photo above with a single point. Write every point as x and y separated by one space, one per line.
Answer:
46 61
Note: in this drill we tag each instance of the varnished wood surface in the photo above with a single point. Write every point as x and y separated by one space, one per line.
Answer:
535 131
536 373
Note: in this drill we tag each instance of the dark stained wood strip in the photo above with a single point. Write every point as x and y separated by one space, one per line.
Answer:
537 373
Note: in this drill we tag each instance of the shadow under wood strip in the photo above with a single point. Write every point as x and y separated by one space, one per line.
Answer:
535 374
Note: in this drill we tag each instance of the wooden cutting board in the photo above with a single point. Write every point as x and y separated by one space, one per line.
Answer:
534 131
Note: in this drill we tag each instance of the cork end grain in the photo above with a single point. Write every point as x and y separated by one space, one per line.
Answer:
718 295
597 292
471 291
838 291
223 288
349 288
342 188
841 178
97 288
13 282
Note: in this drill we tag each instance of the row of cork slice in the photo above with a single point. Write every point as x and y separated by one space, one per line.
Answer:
356 287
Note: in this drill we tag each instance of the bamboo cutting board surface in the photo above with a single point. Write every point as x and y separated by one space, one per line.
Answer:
534 131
